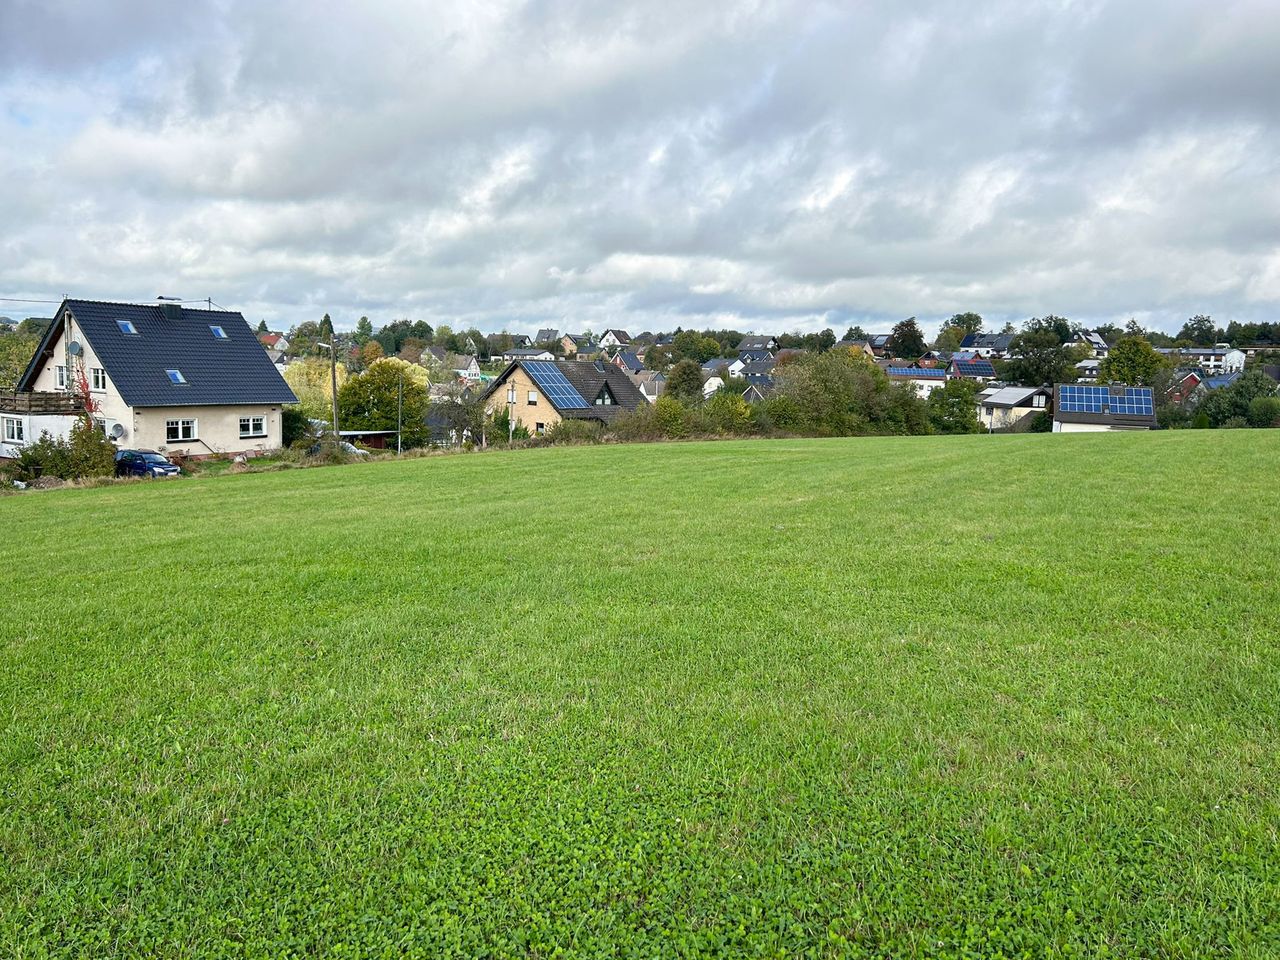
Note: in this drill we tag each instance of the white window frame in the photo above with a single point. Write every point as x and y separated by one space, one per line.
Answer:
181 426
247 430
1038 400
98 378
60 376
218 332
127 327
15 430
533 398
180 379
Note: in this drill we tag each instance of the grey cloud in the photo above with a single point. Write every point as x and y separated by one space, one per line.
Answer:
780 164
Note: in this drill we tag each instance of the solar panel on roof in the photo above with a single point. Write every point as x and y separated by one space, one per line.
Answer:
1133 402
555 385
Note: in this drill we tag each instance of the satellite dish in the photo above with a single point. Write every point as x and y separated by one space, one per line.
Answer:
117 431
74 348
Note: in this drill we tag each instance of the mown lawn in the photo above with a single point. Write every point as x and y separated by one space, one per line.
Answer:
979 696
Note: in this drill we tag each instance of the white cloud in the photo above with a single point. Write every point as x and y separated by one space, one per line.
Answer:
768 165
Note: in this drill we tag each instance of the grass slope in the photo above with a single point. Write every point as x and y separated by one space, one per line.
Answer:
974 696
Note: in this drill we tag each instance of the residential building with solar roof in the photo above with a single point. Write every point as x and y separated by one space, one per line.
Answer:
1082 408
541 393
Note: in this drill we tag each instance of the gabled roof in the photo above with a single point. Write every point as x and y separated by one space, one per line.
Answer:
1093 339
986 341
976 368
755 343
620 335
758 368
587 378
1012 396
526 352
717 363
1222 380
1111 405
234 369
629 361
547 335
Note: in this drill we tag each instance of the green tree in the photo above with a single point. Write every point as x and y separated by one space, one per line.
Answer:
949 339
838 393
684 382
906 339
1040 359
1131 361
953 407
309 380
966 323
1264 412
262 326
1235 402
1199 330
364 331
16 351
1060 327
370 400
856 333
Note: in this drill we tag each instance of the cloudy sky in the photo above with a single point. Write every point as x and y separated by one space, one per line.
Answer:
765 165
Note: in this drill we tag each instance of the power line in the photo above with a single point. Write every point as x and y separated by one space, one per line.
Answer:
19 300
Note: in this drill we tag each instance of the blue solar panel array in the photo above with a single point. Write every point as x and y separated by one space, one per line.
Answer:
975 368
554 384
920 373
1134 402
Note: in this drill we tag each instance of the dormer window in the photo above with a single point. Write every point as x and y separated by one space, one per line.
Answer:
126 326
218 332
175 376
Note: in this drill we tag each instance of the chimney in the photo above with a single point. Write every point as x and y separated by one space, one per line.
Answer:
171 311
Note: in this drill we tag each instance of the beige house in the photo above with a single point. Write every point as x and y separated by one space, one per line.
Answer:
541 393
163 377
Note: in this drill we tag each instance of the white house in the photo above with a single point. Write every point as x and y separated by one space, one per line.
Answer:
1220 358
532 353
615 338
924 380
1001 407
158 376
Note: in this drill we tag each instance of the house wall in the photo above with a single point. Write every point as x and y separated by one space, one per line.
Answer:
524 415
56 425
217 429
1090 428
111 407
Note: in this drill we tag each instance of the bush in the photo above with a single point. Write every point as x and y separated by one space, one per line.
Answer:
1234 423
295 426
86 453
638 424
1042 422
727 412
672 418
1264 412
574 431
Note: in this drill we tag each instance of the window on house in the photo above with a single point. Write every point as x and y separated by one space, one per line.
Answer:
14 430
178 430
533 398
218 333
99 378
539 428
175 376
126 326
60 377
1038 400
253 427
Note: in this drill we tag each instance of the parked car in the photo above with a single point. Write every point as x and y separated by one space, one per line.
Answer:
144 463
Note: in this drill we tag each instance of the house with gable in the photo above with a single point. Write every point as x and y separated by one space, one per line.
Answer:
541 393
160 376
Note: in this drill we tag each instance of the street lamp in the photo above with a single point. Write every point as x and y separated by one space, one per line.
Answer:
511 413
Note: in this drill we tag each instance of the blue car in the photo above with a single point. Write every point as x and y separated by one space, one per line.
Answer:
144 463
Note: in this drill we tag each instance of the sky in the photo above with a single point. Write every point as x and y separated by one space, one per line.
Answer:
768 166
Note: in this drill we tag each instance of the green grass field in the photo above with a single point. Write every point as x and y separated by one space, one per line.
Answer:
972 696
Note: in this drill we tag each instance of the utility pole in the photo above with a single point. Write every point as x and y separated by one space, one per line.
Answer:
333 381
399 411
